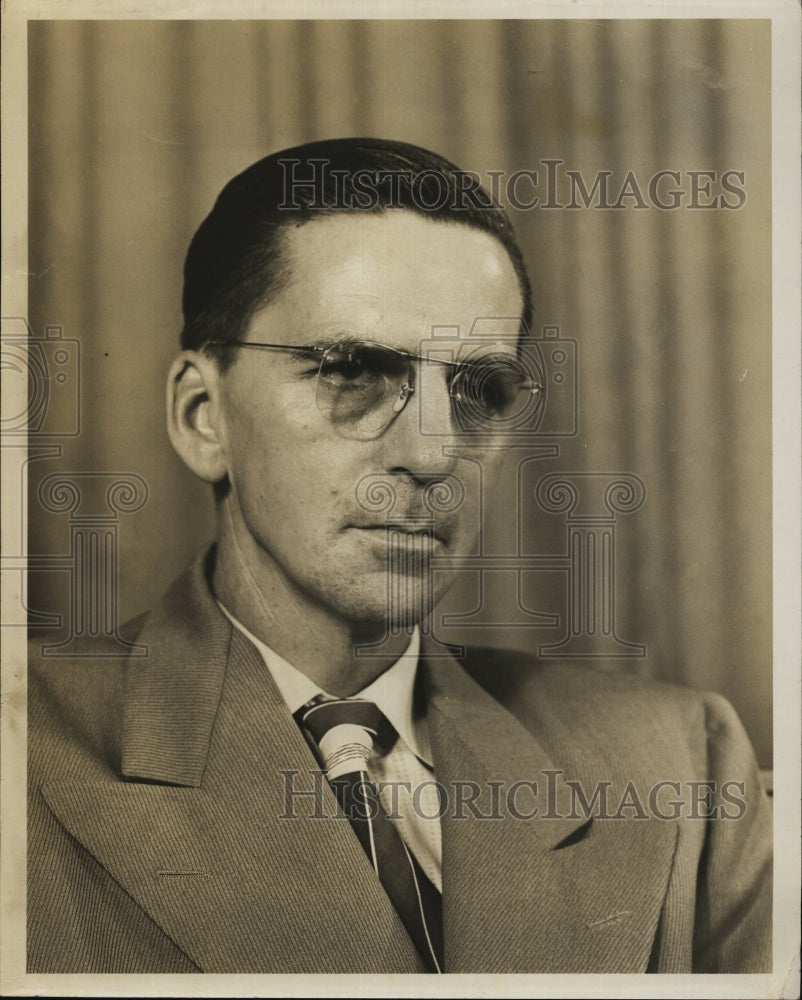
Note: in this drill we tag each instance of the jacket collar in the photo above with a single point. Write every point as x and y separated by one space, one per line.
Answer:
173 693
493 750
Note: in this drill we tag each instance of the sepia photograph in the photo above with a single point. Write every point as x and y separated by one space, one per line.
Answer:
400 555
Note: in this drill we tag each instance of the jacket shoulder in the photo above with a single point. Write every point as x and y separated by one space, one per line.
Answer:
606 716
515 675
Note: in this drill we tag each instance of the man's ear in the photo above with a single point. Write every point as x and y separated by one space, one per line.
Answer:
194 421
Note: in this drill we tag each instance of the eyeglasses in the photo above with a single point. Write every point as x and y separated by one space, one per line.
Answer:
361 387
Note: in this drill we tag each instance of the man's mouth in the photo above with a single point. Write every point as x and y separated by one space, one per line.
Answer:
395 534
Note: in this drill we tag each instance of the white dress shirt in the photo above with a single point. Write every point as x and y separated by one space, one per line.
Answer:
404 775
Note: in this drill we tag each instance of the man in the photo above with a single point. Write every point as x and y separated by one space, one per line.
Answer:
298 778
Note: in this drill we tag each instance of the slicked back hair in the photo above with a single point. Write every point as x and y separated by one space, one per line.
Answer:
237 261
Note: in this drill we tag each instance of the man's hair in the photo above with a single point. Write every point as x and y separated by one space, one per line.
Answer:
237 261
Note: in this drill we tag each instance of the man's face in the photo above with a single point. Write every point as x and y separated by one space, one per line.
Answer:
301 510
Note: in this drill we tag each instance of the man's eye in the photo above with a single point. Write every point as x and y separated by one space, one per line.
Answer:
490 386
345 369
348 367
363 364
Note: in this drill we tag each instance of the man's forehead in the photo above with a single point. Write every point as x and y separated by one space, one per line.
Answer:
382 235
361 274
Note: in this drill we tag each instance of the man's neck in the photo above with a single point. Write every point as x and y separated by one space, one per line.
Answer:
310 637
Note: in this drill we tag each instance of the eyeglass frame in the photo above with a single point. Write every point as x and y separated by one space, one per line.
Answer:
320 350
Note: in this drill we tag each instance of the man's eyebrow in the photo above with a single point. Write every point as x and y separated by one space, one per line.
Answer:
331 339
348 339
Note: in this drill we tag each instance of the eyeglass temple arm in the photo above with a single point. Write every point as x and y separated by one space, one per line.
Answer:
289 348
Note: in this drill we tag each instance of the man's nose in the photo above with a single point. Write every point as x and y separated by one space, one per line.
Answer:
417 441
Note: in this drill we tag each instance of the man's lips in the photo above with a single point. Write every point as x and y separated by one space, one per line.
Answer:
436 533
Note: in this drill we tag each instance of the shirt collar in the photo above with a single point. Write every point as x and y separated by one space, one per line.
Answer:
392 691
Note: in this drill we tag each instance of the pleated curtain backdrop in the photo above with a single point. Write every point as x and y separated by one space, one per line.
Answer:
135 127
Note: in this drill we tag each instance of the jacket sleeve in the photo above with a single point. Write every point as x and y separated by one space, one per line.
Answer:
732 930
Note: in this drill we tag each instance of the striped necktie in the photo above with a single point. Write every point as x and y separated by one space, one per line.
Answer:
342 732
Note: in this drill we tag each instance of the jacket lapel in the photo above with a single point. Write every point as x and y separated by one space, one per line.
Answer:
224 830
544 894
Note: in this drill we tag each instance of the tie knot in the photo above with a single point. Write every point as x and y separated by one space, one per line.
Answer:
323 713
344 730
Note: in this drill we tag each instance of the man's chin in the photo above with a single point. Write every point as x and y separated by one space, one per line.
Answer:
379 603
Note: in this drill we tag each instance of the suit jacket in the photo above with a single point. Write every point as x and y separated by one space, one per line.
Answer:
165 834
